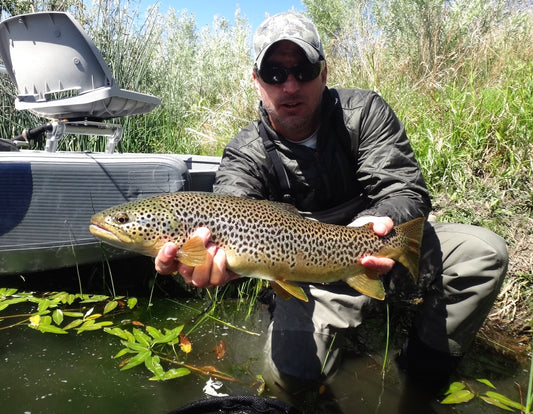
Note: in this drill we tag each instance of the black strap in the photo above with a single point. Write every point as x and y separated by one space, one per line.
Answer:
279 169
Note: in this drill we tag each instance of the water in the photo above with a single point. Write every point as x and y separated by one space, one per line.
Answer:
46 373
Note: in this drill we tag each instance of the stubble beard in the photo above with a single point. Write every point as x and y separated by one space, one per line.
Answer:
293 125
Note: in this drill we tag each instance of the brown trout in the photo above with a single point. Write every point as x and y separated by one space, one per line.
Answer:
261 239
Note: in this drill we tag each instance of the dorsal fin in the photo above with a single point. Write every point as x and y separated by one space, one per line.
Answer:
286 207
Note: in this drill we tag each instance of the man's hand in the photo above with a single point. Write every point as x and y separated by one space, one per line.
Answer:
381 226
212 273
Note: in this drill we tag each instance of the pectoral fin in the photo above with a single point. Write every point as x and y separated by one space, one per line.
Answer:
370 286
193 252
287 289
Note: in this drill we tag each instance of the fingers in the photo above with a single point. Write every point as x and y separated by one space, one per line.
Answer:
212 272
382 265
219 274
381 225
165 262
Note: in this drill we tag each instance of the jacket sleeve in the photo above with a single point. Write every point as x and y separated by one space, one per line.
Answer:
386 165
241 169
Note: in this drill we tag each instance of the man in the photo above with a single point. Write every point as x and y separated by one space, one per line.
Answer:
343 157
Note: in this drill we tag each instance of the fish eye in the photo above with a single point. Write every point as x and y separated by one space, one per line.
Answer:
122 218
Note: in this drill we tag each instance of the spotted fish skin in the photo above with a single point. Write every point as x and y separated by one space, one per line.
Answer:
261 239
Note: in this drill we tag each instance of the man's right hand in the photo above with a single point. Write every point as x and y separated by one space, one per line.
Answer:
381 226
212 273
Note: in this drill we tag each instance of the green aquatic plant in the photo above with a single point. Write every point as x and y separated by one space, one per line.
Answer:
150 346
144 346
60 312
463 392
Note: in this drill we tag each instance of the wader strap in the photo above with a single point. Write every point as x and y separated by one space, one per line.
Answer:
342 214
280 171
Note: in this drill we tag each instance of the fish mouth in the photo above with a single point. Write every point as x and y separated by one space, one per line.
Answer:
122 240
110 237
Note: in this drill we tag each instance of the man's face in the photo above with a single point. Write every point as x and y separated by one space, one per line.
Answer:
293 106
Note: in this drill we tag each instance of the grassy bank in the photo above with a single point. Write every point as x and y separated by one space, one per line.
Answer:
459 74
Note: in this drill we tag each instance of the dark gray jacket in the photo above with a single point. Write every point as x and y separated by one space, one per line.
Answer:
363 162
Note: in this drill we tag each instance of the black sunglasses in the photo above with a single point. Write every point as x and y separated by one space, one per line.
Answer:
276 75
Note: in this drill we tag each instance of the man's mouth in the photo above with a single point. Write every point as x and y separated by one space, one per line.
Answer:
291 102
291 105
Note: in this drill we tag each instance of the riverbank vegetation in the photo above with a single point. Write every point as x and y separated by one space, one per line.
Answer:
458 73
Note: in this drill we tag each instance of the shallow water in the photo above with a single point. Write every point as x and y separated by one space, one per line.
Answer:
47 373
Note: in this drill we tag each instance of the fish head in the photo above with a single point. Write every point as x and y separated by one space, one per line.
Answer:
142 226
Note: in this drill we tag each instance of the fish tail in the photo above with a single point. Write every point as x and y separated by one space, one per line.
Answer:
411 235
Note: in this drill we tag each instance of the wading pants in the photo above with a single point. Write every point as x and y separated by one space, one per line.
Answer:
461 270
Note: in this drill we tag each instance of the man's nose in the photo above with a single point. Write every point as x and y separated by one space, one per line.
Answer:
291 84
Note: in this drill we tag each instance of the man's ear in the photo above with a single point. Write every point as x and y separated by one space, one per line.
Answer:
324 74
257 84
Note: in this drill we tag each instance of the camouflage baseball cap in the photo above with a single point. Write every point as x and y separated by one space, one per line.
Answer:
291 26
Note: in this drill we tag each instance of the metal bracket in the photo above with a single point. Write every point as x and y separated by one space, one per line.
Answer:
113 132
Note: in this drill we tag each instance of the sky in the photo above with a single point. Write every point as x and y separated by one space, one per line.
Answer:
205 10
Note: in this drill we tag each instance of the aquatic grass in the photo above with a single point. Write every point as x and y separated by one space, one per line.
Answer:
152 288
214 297
529 396
328 353
248 292
387 342
207 313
